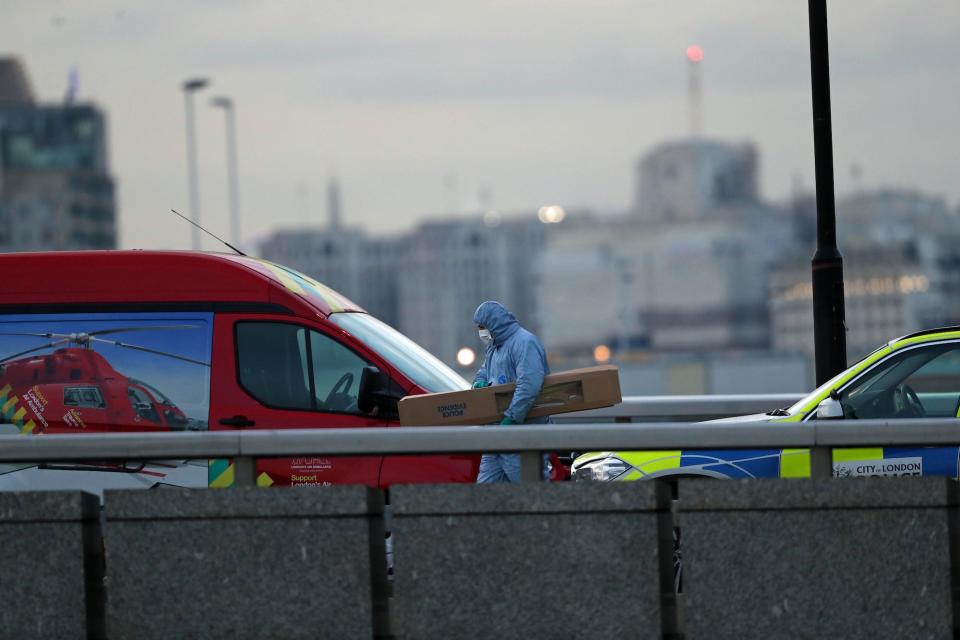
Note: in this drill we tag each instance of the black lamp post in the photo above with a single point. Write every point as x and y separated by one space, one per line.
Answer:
829 329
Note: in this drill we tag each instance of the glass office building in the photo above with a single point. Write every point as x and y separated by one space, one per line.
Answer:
56 192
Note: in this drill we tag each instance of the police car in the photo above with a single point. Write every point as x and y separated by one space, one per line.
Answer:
915 376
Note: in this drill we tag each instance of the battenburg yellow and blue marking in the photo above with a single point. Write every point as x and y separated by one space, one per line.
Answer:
12 412
795 463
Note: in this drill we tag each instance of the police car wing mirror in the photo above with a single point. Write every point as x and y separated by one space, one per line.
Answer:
830 409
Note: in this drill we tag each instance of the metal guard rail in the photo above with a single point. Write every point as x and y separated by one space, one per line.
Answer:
245 446
683 408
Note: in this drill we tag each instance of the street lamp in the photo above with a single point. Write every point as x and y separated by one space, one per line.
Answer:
189 88
829 323
232 187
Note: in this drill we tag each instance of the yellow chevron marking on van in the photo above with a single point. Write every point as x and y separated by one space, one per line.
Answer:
18 416
291 280
285 278
8 406
224 478
28 428
331 297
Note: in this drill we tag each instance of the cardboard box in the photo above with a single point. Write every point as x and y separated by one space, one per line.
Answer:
574 390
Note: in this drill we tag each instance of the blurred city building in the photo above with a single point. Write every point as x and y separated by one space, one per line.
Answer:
901 274
695 179
702 287
881 216
361 267
449 266
427 282
685 272
14 84
56 192
694 373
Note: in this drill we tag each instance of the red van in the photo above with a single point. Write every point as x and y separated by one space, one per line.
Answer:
120 341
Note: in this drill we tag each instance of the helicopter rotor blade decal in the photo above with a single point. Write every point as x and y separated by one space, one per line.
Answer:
150 328
81 335
125 345
13 468
49 345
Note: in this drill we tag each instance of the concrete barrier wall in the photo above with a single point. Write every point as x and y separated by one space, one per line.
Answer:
762 558
51 567
865 558
526 561
257 563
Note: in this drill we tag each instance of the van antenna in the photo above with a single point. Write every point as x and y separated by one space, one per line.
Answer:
208 233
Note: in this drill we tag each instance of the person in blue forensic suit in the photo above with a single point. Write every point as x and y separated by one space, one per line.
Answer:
512 354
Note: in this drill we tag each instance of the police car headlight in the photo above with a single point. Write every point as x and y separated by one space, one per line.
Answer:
601 469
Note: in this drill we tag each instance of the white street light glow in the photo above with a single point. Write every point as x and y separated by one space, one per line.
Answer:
491 218
551 214
466 357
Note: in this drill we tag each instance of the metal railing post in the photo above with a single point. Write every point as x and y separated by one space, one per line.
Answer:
821 463
531 466
245 471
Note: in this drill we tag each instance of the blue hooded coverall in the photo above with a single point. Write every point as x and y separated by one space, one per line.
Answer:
515 355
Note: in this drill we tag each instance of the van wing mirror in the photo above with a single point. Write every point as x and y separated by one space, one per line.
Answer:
378 393
830 409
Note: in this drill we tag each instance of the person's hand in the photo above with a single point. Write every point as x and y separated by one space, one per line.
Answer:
507 420
480 384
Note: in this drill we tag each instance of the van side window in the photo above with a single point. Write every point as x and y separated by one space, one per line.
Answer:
286 366
336 374
273 365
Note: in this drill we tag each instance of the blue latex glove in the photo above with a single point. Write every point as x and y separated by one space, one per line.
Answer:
480 384
507 421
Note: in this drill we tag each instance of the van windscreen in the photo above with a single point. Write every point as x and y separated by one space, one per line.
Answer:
412 360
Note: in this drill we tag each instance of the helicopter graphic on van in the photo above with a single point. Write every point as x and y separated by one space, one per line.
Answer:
140 372
75 386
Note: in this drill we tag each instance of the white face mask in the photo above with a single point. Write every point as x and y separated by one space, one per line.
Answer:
485 336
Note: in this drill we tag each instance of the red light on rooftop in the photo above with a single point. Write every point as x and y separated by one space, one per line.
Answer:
694 53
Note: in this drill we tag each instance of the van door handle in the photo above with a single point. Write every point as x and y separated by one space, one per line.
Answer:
237 421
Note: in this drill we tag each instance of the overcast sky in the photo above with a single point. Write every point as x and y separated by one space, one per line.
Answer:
537 101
